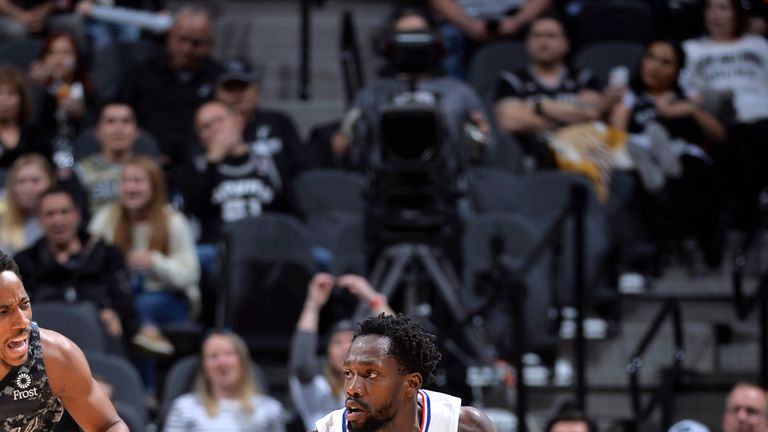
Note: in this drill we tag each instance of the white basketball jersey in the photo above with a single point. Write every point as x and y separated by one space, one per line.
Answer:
439 413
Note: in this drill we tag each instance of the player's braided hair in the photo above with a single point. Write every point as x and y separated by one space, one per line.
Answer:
8 264
414 349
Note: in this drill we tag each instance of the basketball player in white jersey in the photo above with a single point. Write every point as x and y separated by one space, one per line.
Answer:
41 370
391 357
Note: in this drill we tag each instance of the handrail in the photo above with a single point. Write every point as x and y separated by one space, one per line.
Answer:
663 395
745 305
349 49
513 277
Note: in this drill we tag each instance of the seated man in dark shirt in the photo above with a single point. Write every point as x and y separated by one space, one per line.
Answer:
165 92
535 101
64 266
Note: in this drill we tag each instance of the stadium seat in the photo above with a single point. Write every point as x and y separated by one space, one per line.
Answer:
613 20
492 190
602 57
268 264
20 52
125 381
78 321
491 59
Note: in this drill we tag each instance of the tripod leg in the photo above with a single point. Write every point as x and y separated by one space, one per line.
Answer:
444 283
447 286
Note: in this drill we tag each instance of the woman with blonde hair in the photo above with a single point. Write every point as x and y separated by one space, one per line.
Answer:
159 250
29 176
226 396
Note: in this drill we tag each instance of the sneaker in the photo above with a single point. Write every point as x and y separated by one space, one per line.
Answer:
152 341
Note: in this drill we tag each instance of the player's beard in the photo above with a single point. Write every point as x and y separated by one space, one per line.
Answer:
378 419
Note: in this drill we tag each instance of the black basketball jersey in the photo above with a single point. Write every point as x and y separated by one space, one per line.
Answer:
523 84
26 401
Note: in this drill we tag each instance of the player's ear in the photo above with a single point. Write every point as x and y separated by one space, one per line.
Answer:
413 381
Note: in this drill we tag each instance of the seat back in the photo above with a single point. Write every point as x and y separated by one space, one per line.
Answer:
492 190
20 52
124 378
491 59
602 57
78 321
541 196
112 62
268 265
614 20
323 190
518 237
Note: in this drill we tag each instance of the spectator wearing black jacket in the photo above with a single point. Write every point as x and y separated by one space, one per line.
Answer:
267 132
166 91
66 266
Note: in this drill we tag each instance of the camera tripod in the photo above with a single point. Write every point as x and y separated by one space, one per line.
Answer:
406 265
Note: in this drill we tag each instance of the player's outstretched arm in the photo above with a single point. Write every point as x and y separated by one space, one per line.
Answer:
473 420
71 381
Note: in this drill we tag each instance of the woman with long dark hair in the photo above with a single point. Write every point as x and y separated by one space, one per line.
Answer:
668 138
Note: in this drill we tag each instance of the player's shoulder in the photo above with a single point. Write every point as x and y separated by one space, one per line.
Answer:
59 350
472 419
54 343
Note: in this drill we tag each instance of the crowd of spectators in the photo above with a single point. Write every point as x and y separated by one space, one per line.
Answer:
121 201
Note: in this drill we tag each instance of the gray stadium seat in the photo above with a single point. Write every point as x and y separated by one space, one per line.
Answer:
78 321
613 20
491 59
268 264
125 381
329 199
519 237
602 57
20 52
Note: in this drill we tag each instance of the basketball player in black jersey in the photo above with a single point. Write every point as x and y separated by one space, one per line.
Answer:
43 372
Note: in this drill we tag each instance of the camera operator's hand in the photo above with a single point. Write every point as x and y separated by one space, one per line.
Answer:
478 119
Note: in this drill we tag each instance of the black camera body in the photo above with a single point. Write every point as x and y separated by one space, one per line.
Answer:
414 52
411 192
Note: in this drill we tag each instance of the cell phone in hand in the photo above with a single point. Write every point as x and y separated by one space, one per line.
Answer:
619 77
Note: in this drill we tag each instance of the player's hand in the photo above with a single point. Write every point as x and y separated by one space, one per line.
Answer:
319 290
357 286
111 322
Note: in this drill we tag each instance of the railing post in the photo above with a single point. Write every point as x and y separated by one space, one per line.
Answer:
304 50
518 313
578 206
763 317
